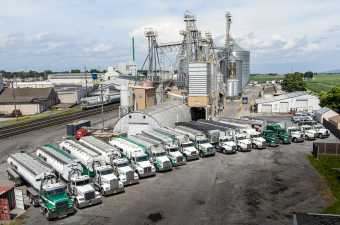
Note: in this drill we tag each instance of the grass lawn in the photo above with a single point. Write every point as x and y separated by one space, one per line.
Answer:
324 165
39 116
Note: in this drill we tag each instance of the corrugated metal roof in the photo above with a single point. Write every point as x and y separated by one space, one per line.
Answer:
282 97
26 95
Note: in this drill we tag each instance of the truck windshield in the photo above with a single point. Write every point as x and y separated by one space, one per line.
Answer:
293 129
173 149
255 136
307 128
241 138
187 145
56 191
82 182
202 141
158 154
141 158
125 164
106 172
318 127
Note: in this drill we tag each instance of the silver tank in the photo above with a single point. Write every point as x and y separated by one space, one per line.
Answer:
244 56
232 88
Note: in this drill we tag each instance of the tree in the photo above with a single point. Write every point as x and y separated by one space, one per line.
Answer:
308 75
331 99
293 82
75 71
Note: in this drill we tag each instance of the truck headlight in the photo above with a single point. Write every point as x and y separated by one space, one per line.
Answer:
135 176
140 171
97 193
120 185
153 169
81 199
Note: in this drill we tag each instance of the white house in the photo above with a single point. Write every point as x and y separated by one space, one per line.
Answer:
294 101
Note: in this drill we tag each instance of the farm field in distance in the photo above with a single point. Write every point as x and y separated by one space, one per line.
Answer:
320 82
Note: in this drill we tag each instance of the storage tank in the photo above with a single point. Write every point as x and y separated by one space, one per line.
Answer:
244 56
233 84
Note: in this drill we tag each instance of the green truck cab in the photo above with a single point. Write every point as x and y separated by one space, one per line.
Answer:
271 138
283 136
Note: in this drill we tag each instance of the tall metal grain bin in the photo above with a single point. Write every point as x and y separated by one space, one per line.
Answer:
199 84
243 56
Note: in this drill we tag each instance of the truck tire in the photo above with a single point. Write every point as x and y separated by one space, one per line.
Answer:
253 146
294 140
77 203
320 136
201 155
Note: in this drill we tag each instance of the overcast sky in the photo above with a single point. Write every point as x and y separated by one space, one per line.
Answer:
283 36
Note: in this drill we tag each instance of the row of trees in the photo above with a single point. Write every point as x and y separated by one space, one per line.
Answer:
294 82
44 74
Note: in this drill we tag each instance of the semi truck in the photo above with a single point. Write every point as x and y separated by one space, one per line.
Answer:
136 155
171 147
257 141
271 138
211 133
308 132
295 134
281 133
200 141
105 180
226 144
242 142
107 151
70 170
156 152
186 147
44 189
321 131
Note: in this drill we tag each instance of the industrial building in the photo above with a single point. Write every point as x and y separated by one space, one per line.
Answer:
71 94
84 79
33 84
1 83
28 101
290 102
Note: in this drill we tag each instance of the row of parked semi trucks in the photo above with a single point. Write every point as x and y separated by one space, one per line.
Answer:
77 173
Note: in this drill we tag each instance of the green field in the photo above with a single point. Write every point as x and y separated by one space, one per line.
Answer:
320 82
324 165
264 78
323 82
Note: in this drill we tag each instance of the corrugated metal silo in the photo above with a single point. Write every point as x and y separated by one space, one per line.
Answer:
244 56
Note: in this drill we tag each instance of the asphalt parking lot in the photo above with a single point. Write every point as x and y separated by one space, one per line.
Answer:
257 187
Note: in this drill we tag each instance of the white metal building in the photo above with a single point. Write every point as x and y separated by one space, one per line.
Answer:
1 83
33 84
84 79
294 101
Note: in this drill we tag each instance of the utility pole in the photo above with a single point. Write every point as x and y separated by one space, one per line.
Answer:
13 94
102 101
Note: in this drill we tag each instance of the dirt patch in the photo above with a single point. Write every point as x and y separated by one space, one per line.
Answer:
278 186
155 217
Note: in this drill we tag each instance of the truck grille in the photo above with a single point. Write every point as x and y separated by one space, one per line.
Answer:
233 148
114 184
61 205
167 165
179 159
147 169
90 195
130 175
193 153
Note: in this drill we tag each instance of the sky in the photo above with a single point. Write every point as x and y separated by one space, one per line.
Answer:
282 36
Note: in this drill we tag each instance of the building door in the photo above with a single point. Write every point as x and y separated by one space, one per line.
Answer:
266 108
19 198
284 107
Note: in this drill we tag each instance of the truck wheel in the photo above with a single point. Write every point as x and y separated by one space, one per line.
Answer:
253 146
201 155
77 204
102 192
47 214
320 136
294 140
238 148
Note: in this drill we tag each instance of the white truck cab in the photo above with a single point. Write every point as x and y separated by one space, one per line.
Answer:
83 192
308 132
295 134
243 143
321 131
125 172
176 157
204 147
227 145
106 181
189 151
159 158
257 141
142 165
